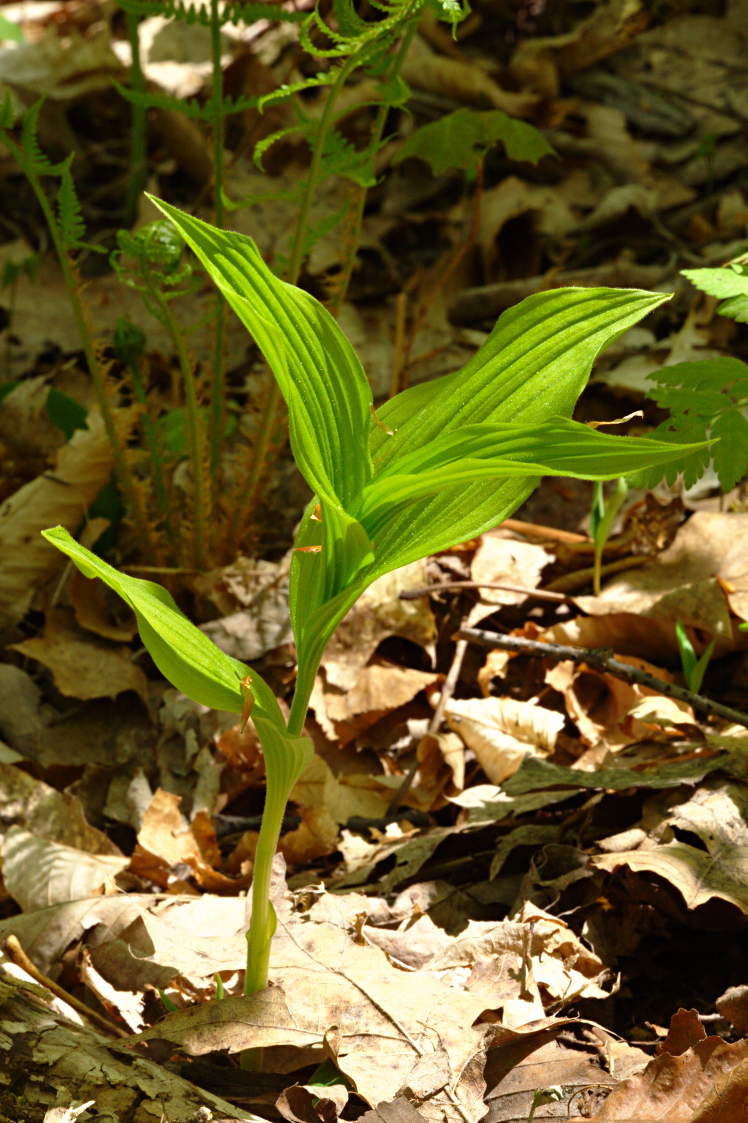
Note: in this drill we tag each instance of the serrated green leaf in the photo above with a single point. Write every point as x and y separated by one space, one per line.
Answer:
730 455
730 284
721 283
736 308
717 373
461 140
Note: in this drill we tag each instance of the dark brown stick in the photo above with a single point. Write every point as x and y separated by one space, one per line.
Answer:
604 659
442 586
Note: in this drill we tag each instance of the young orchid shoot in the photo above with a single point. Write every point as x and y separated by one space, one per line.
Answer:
440 463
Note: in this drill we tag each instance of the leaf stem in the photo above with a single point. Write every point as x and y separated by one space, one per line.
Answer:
193 420
218 400
98 376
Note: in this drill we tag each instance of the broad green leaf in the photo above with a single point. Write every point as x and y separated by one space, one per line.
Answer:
484 452
320 375
533 367
461 140
185 656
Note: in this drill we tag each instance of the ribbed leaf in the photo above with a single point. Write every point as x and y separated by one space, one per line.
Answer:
319 373
489 452
185 656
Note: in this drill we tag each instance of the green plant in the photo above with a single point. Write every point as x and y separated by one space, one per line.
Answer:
440 463
602 517
708 398
694 668
342 45
66 227
462 139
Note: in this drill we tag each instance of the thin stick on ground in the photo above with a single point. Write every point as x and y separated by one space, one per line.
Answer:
523 590
447 691
14 950
604 660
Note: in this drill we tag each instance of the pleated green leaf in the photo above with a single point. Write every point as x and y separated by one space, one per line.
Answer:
186 657
489 452
319 374
437 464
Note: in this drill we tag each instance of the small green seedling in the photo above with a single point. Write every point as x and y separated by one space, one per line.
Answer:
440 463
543 1096
602 517
694 668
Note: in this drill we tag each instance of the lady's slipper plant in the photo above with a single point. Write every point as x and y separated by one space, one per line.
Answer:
440 463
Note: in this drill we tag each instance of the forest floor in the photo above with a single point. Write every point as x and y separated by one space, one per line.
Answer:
515 877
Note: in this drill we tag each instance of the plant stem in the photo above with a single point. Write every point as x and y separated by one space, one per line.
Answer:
136 178
263 920
98 377
357 217
154 454
194 425
218 402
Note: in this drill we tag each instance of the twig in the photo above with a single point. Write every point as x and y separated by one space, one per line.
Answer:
447 691
538 530
18 955
539 594
604 659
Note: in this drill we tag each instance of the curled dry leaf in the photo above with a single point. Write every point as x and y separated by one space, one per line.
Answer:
166 840
503 559
604 708
83 666
503 731
706 1084
380 687
717 813
461 80
39 872
377 614
61 495
259 590
325 802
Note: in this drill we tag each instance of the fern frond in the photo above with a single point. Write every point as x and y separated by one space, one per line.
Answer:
348 20
262 146
324 226
190 107
233 11
341 158
8 111
345 45
231 105
69 215
324 78
38 161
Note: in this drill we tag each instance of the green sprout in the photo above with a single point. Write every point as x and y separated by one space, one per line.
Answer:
694 668
602 517
440 463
